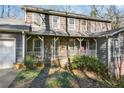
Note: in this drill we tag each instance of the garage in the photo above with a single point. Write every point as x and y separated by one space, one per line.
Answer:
7 53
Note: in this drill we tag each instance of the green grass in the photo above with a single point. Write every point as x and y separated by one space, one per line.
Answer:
27 75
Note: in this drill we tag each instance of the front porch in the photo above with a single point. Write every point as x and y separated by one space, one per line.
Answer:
50 49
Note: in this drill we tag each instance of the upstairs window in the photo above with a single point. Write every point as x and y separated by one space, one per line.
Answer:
37 19
56 22
71 23
83 26
83 22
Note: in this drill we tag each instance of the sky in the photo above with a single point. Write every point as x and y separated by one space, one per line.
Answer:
81 9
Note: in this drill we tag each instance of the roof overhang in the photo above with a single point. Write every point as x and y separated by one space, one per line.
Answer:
109 33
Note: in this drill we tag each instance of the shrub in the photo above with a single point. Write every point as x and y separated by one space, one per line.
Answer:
89 63
39 64
29 63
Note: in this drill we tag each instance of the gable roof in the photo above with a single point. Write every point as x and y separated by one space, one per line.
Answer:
62 13
107 33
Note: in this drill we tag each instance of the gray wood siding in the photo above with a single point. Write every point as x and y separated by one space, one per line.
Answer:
18 38
91 26
102 49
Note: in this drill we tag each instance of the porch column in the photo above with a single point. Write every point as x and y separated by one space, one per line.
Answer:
54 46
88 52
42 40
109 51
80 40
96 46
23 45
88 44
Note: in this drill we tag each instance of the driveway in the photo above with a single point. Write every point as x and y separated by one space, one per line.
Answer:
7 76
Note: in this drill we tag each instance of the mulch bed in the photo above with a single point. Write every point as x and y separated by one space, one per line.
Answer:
47 75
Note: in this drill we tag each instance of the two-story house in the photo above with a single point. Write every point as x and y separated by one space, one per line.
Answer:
56 36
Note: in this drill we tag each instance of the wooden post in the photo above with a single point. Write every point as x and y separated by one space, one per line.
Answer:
96 46
80 40
54 47
87 48
109 52
23 45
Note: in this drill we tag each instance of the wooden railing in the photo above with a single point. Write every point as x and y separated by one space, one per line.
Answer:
38 55
89 52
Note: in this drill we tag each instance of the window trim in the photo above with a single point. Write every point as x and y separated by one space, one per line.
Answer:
34 44
71 24
58 22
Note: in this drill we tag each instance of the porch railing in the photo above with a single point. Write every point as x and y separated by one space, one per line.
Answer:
89 52
37 56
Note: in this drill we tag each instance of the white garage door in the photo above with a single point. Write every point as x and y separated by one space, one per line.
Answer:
7 53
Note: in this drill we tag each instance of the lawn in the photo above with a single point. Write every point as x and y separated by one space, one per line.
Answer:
53 77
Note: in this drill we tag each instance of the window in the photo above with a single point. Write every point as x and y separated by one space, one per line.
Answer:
71 21
36 19
104 28
83 22
83 26
37 46
71 24
56 22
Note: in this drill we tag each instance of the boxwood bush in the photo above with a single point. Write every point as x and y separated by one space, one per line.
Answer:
89 63
29 63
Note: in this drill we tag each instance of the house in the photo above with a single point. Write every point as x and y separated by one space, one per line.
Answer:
56 36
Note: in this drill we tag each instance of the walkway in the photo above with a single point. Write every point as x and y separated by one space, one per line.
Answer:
6 77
